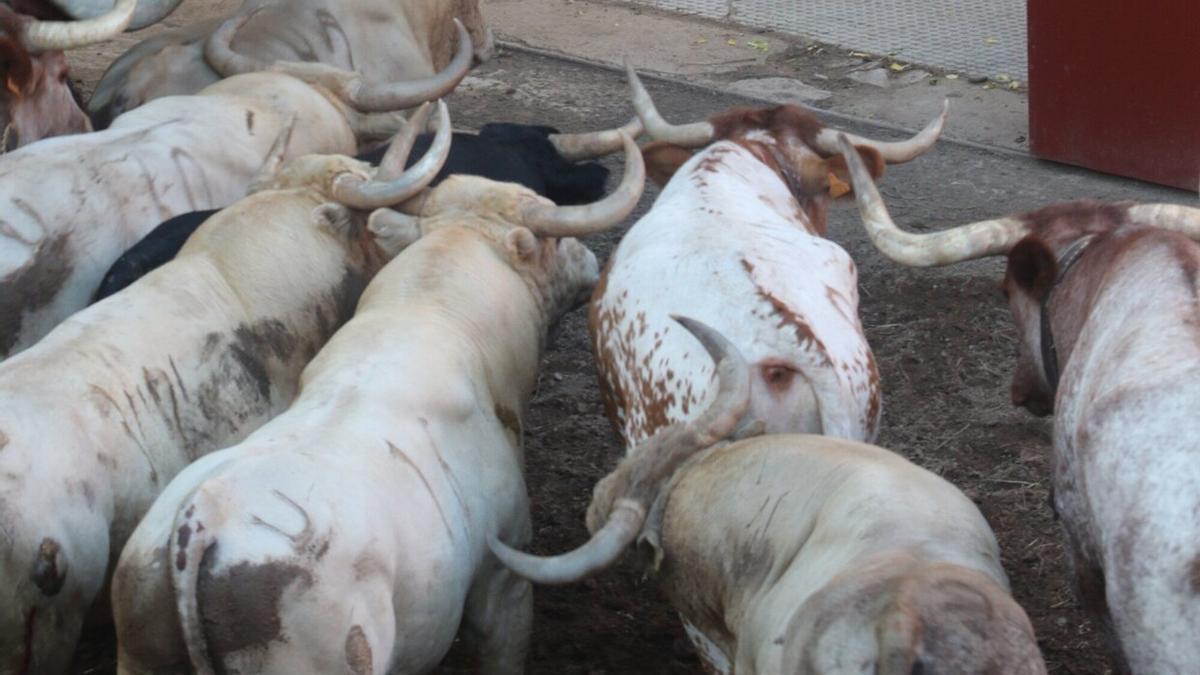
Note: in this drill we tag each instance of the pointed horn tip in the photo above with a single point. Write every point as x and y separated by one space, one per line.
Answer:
717 345
845 145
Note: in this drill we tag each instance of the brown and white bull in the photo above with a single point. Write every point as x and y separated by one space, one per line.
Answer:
37 100
69 207
348 535
1104 297
98 417
383 40
736 240
803 555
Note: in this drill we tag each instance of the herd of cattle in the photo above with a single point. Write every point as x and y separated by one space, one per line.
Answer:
261 401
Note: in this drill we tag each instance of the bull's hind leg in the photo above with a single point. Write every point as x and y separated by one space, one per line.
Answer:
498 618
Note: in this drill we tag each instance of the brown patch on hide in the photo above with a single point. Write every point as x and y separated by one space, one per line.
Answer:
790 319
1194 576
145 611
184 535
1070 220
510 420
358 652
240 386
49 569
3 440
663 160
250 121
33 287
240 608
875 399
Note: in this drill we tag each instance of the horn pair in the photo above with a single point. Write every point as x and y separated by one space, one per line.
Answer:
56 35
646 470
698 134
361 95
392 184
974 240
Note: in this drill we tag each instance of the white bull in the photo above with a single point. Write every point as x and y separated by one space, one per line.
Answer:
71 206
348 534
1104 298
804 555
383 40
98 417
865 564
736 240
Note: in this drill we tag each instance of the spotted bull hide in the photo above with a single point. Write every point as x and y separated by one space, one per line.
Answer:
736 241
1103 296
70 206
384 40
728 243
347 535
868 564
99 416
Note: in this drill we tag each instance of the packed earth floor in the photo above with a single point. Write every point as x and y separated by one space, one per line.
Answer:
942 337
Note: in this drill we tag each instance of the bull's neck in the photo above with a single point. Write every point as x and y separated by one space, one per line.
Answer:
738 170
466 277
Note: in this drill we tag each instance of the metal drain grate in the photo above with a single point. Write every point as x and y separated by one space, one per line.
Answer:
976 37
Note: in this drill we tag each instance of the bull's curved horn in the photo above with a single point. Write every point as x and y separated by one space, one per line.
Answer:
380 97
966 242
648 469
1182 219
48 35
148 11
546 220
219 51
397 95
892 152
391 165
593 144
691 135
373 194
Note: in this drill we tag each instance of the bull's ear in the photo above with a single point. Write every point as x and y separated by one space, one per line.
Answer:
522 243
393 231
837 175
663 160
16 67
1033 267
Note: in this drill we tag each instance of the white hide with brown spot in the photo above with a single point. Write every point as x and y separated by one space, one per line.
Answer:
348 534
727 244
70 206
792 554
98 417
1126 461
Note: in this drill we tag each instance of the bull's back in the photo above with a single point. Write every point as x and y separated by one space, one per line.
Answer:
75 204
785 297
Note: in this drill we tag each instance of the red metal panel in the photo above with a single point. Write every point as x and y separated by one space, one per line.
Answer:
1114 86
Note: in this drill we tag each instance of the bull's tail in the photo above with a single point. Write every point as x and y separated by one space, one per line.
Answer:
190 541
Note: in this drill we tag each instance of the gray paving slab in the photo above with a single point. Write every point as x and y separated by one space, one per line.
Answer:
976 37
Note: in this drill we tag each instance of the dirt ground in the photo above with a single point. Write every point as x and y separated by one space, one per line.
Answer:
942 338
